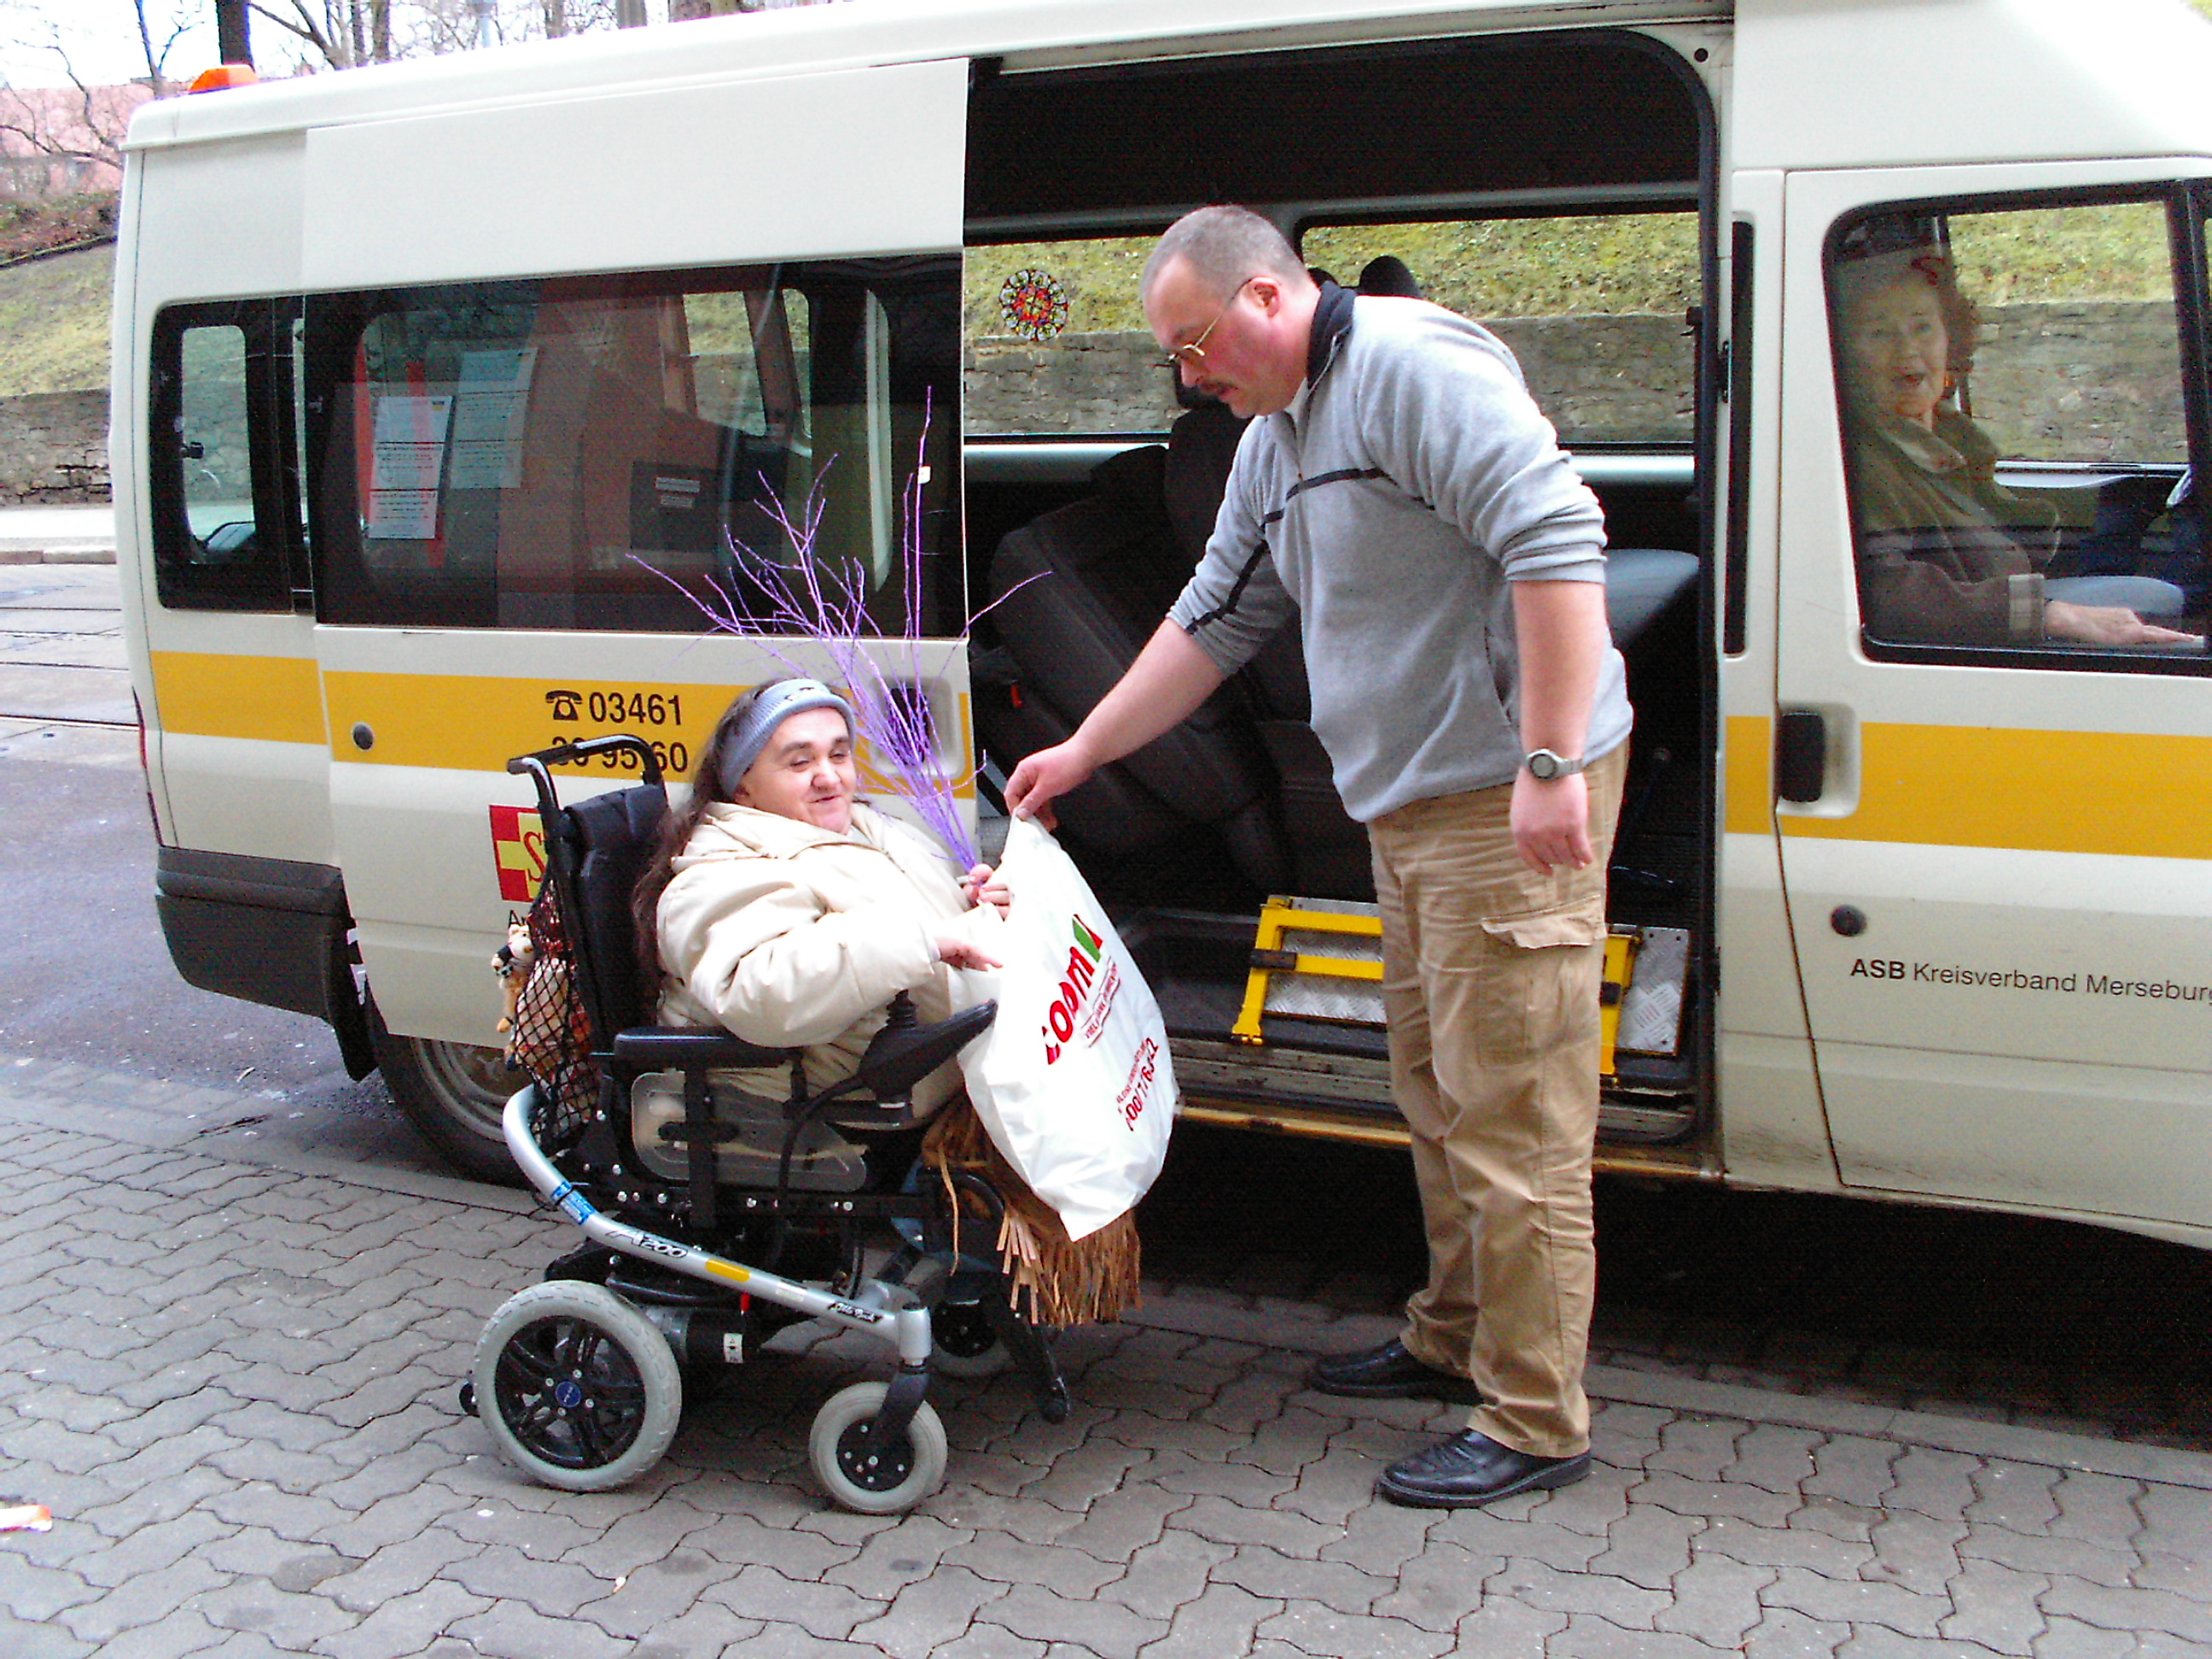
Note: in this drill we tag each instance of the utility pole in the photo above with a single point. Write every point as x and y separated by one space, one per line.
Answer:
232 45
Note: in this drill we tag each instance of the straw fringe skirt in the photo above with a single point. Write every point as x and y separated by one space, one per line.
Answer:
1052 1279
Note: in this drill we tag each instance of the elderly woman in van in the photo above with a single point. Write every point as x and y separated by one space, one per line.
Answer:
784 909
1948 554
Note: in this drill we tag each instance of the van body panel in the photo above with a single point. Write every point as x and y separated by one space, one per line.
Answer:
1823 84
487 198
233 709
859 34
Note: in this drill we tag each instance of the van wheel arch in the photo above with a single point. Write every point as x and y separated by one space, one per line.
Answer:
452 1093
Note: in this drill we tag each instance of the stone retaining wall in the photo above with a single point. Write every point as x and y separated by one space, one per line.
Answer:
53 447
2085 381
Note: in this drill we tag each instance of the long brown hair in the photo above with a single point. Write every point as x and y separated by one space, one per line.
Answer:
676 830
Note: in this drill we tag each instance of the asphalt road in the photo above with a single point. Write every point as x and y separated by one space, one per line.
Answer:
2030 1321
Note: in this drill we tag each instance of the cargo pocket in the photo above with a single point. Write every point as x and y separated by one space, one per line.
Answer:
1540 981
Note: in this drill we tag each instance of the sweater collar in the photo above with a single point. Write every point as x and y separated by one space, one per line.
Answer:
1332 326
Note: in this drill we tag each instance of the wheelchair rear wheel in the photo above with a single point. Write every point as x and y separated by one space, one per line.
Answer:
869 1478
964 1342
579 1389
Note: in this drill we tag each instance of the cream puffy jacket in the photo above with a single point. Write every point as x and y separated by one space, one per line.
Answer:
796 936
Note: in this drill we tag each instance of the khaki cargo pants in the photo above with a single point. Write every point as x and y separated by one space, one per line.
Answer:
1490 976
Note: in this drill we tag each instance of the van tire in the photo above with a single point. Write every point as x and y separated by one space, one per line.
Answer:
453 1094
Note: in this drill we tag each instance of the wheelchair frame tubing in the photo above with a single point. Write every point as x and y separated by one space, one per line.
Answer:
906 1329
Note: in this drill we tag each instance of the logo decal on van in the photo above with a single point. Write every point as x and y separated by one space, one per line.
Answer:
517 848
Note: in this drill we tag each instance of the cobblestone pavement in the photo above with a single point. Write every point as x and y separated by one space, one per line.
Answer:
231 1373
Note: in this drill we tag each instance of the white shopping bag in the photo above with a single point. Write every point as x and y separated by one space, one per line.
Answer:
1072 1080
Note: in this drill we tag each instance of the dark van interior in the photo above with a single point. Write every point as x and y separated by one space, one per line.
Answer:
1080 553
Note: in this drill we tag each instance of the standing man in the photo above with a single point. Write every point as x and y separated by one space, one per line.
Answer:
1402 492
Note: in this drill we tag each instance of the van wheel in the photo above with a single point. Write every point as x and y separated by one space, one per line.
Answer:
452 1093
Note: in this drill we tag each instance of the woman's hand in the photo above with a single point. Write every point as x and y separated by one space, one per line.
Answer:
982 885
2108 624
959 952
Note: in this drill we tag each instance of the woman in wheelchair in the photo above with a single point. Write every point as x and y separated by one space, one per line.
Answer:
775 906
782 908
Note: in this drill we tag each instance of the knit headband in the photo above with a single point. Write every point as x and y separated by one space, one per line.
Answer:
774 705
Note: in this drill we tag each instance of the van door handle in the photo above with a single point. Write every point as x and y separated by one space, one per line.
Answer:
1800 755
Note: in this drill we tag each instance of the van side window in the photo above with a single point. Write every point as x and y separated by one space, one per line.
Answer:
2016 437
1592 306
216 479
635 452
1056 343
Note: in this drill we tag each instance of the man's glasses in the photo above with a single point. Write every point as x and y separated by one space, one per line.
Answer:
1194 353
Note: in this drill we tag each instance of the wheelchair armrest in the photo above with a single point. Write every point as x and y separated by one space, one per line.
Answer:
673 1049
900 1055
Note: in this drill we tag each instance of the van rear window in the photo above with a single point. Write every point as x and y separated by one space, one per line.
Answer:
619 453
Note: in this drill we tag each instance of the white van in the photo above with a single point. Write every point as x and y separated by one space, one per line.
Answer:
445 391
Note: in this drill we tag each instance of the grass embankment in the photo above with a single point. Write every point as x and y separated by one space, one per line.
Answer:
57 272
1613 264
53 322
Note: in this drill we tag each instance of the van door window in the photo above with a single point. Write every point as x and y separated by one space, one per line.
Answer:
638 452
2016 435
218 487
1594 307
1055 342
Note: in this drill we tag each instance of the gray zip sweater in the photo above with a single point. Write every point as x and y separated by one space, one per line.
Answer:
1391 506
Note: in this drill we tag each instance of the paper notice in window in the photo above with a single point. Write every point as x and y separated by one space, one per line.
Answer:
490 417
409 454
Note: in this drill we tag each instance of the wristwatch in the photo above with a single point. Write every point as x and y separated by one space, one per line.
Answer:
1543 765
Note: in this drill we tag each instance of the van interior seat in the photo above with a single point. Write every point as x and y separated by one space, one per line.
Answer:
1078 592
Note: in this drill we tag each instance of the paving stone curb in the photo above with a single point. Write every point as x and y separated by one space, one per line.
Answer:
59 553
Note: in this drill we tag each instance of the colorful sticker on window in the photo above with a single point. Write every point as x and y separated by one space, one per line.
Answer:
1033 304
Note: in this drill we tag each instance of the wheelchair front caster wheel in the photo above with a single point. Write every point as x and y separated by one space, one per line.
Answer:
963 1343
860 1472
577 1387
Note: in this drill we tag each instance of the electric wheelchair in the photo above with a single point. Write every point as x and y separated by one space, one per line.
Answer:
714 1219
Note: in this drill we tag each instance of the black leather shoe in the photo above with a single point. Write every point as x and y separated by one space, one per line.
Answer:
1469 1468
1388 1373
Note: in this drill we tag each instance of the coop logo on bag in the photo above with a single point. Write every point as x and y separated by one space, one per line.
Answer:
1086 995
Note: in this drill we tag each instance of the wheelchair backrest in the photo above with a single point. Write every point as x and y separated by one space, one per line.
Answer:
614 835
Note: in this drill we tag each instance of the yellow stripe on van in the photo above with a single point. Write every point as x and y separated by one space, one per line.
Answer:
213 694
469 723
1749 783
2121 793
